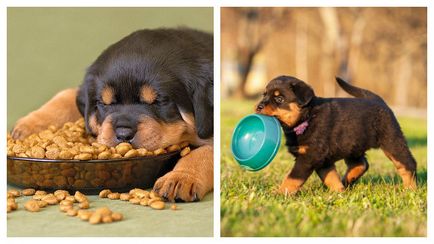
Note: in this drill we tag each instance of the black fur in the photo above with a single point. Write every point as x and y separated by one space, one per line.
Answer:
340 128
177 63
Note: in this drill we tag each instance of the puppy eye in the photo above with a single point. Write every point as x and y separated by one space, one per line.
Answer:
279 99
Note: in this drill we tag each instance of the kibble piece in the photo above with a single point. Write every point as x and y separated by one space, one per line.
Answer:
84 205
66 203
95 218
107 219
38 197
12 204
144 202
80 197
104 155
9 209
103 211
132 153
153 194
84 215
116 155
158 205
117 216
32 206
42 204
104 193
142 152
123 148
70 198
50 199
71 212
65 208
174 207
185 151
159 151
124 196
142 194
83 156
113 196
60 196
173 148
135 200
183 144
37 152
14 193
28 192
39 192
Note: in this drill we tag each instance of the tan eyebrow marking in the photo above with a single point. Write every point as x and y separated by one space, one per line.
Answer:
276 93
148 94
107 95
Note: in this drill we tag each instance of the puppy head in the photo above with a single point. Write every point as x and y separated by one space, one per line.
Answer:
284 98
147 111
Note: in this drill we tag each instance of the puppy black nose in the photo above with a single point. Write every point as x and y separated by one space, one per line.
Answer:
124 133
259 107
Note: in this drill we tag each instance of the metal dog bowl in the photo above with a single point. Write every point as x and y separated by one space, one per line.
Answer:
89 176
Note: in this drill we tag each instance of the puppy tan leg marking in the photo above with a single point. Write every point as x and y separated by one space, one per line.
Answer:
408 176
356 168
330 178
192 177
302 149
60 109
290 185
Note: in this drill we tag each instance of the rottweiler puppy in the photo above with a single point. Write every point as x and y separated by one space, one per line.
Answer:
320 131
153 88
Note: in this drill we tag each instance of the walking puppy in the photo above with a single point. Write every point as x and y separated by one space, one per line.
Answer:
320 131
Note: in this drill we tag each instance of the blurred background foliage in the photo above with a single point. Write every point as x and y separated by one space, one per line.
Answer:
49 49
380 49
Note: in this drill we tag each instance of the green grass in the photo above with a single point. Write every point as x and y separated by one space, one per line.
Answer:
375 206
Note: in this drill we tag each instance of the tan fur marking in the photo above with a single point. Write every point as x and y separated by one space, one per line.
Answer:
288 116
60 109
330 178
148 94
276 93
354 173
193 174
408 177
93 124
107 95
290 185
106 134
302 149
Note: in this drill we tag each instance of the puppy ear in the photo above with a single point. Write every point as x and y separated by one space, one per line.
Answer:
202 100
303 92
86 100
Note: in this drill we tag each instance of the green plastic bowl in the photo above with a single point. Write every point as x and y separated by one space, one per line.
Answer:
255 141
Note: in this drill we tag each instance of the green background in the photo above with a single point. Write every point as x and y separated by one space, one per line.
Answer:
49 49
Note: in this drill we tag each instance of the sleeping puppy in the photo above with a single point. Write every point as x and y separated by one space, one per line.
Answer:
320 131
153 88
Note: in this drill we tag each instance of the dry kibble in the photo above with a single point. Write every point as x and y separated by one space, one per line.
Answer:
70 198
65 208
39 192
32 206
135 200
66 203
174 207
104 193
113 196
124 196
28 192
123 148
104 155
183 144
95 218
160 151
185 151
50 199
144 202
173 148
38 197
83 205
14 193
132 153
12 204
60 196
117 216
71 212
158 205
85 215
107 219
80 197
9 209
42 204
153 194
10 195
103 211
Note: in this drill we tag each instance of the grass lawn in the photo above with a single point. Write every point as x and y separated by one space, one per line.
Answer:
375 206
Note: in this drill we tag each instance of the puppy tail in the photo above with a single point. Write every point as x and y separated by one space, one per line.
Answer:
358 92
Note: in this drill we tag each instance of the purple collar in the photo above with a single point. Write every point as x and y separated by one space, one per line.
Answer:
299 129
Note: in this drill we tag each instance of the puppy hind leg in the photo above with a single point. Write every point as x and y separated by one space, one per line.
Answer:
330 178
356 168
404 163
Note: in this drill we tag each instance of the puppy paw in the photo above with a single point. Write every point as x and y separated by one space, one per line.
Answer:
180 185
25 127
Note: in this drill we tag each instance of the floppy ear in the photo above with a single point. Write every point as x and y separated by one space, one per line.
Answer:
202 100
303 92
86 99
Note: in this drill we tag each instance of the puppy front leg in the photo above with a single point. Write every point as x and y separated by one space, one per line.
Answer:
299 174
330 178
192 177
60 109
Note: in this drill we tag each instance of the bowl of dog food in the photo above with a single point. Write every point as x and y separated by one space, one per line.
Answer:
67 158
255 141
